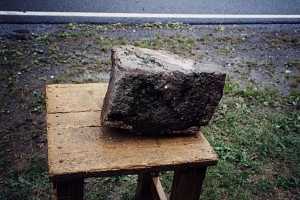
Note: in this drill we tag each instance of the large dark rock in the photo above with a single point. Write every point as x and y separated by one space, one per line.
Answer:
156 92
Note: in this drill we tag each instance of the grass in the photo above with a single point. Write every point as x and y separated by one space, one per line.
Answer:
148 26
32 183
178 44
256 135
254 131
283 39
110 188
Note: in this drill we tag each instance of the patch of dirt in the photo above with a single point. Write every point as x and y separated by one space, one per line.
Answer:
266 55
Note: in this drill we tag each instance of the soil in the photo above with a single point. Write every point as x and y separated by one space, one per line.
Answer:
32 56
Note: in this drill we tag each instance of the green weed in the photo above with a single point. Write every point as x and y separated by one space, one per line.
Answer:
248 134
178 44
31 184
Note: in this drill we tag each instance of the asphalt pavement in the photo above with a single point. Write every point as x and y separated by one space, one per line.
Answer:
136 11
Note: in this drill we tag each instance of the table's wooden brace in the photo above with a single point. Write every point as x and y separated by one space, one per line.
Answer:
187 185
68 189
149 188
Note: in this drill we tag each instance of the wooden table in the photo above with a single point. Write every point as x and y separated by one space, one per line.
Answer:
78 147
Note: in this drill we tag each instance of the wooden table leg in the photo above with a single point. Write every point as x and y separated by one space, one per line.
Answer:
68 189
187 183
149 188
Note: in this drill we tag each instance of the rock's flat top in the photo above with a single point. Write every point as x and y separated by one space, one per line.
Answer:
135 58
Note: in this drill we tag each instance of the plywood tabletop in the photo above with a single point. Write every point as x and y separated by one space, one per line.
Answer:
79 146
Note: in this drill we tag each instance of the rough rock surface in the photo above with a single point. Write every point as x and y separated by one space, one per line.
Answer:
156 92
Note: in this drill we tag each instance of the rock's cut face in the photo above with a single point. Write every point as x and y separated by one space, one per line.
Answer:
156 92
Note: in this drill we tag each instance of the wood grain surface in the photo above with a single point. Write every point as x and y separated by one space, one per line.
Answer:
79 146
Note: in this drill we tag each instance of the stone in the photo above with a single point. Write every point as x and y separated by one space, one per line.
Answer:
157 92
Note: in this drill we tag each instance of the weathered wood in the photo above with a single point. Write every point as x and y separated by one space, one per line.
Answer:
159 189
187 183
149 188
73 120
63 98
68 189
79 146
